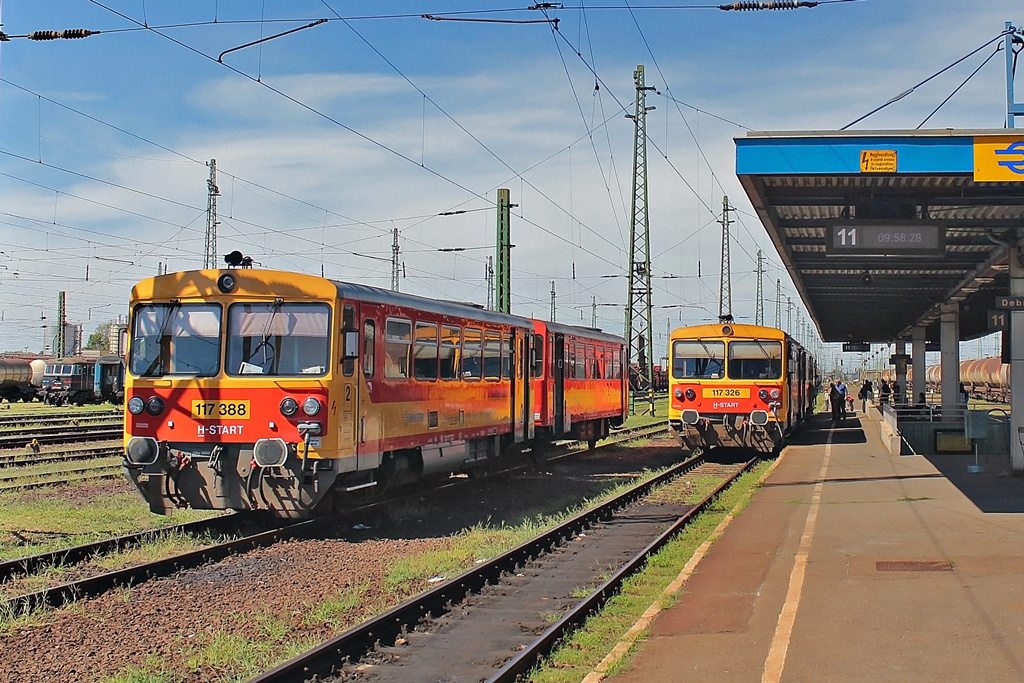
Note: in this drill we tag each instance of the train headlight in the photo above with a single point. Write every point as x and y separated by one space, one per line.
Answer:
136 405
226 282
311 406
679 393
775 393
690 394
289 406
155 405
763 394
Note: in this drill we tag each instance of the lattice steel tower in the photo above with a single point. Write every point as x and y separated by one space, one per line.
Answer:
759 311
213 192
640 361
725 284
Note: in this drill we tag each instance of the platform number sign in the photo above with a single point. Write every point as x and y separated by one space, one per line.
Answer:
998 319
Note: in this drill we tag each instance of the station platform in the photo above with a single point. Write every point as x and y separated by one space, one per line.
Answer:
851 564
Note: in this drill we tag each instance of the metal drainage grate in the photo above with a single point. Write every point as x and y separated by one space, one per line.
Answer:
914 566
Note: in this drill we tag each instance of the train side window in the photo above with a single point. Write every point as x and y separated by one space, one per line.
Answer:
592 371
369 334
507 354
570 361
600 370
492 355
538 356
397 347
472 353
581 361
451 345
349 333
425 354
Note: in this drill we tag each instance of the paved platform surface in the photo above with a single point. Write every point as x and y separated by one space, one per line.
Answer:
851 564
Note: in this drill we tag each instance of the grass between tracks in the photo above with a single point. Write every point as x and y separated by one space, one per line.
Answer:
258 641
584 650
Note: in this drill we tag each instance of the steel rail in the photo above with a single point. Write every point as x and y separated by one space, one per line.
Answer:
387 627
528 658
26 459
56 596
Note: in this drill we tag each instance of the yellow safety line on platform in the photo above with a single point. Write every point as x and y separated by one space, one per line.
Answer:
776 661
630 637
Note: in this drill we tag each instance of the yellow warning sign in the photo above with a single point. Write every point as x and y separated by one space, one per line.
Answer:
999 158
878 161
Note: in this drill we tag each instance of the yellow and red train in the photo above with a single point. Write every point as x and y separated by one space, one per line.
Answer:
738 385
259 389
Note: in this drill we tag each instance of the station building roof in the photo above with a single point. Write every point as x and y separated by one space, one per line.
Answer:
879 228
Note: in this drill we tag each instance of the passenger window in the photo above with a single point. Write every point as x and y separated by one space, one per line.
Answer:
451 345
538 356
397 345
425 353
492 355
472 353
369 334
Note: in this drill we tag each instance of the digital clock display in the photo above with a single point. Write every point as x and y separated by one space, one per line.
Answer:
885 239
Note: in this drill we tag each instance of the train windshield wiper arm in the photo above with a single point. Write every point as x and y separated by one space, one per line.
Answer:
162 339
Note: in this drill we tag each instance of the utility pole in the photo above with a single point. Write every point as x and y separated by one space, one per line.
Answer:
638 312
778 304
212 192
489 272
504 303
725 283
552 316
759 310
789 316
593 312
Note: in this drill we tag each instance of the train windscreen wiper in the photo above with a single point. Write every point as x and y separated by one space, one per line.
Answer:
163 341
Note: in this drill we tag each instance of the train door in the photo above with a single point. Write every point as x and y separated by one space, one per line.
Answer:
558 380
518 360
348 386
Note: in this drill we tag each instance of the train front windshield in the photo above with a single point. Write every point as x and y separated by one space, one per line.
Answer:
698 359
279 339
755 360
175 339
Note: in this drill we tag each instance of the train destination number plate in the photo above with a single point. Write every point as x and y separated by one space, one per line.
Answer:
725 392
220 410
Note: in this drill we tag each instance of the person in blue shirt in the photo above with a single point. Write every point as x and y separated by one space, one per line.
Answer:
841 388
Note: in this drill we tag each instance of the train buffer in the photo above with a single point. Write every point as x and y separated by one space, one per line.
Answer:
854 564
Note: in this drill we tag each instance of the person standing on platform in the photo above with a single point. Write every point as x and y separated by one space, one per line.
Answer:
841 387
897 393
883 391
835 400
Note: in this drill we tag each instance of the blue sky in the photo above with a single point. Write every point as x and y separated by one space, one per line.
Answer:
329 138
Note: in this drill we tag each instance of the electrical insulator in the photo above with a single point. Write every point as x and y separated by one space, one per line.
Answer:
70 33
751 5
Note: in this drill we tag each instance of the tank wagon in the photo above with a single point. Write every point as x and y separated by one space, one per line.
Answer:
20 378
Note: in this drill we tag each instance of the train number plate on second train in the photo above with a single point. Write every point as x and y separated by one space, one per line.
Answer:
726 392
220 410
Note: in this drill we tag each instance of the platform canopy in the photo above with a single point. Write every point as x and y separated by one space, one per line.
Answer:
880 228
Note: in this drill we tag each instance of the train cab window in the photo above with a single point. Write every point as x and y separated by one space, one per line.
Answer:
538 356
698 359
451 345
755 360
424 364
278 339
472 353
397 348
369 346
348 324
492 355
175 339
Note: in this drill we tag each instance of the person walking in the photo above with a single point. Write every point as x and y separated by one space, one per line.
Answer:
865 395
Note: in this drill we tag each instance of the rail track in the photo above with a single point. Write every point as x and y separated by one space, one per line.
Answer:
280 530
63 418
31 479
60 434
21 459
466 628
